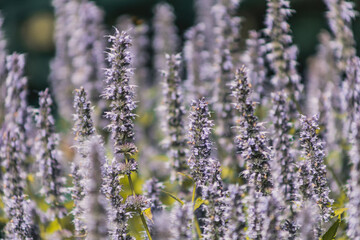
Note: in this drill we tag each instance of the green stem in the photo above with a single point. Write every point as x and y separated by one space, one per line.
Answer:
145 225
197 226
140 213
193 194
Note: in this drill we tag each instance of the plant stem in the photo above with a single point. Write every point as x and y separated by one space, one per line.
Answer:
139 211
145 225
193 194
197 226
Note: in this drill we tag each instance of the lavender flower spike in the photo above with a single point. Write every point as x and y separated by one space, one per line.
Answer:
235 212
314 155
120 93
199 139
3 54
282 53
118 217
353 213
340 14
165 34
84 125
251 141
48 156
182 222
95 202
83 129
20 225
174 114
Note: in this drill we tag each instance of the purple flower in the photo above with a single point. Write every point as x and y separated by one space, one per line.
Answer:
340 15
50 171
316 177
182 219
165 39
17 208
251 140
282 54
174 113
235 213
95 203
120 94
199 139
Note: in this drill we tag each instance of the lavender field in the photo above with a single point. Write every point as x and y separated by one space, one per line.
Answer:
148 133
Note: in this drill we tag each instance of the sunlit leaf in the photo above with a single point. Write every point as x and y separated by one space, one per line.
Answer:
174 197
198 203
148 214
331 233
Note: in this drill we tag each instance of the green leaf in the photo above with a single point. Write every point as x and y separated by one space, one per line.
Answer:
53 226
331 233
185 175
174 197
339 211
198 203
148 214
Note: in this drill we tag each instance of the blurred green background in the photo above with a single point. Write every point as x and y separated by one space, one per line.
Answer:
29 27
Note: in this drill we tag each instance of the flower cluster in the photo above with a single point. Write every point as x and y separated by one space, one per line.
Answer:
235 213
174 113
48 157
94 203
314 155
152 191
182 222
79 57
340 15
83 129
282 54
254 60
214 221
251 141
120 94
165 39
20 225
353 205
199 139
3 53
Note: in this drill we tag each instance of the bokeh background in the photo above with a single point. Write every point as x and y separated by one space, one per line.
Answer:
29 27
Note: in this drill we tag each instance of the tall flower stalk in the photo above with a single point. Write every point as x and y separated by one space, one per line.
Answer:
51 174
314 154
3 54
353 230
340 15
79 57
251 140
282 54
94 203
83 129
254 59
17 208
174 113
285 167
199 139
121 96
226 31
206 171
165 39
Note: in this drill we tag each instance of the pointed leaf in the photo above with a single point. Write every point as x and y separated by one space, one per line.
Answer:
339 211
198 203
174 197
185 175
148 214
331 233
